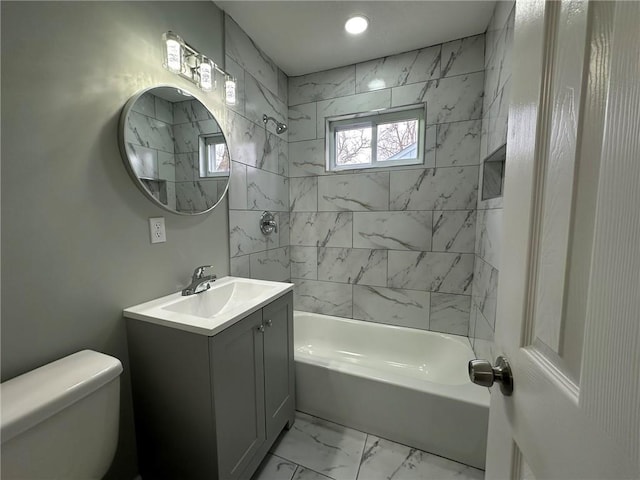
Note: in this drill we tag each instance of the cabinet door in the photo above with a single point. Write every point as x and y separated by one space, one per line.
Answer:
278 364
236 356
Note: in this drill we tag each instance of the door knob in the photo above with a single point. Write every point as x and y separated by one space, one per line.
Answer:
482 373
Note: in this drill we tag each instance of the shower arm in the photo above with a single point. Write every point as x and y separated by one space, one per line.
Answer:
280 127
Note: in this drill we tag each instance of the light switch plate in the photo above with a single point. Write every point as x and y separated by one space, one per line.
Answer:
156 228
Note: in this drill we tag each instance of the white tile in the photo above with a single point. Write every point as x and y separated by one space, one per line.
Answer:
463 56
164 110
431 271
244 51
283 157
392 230
148 132
485 289
450 313
143 160
306 158
458 143
145 104
306 474
489 236
454 231
267 191
322 229
387 460
352 265
275 468
302 122
238 186
362 102
323 446
246 140
245 236
259 101
270 158
406 308
239 266
323 297
284 223
396 70
166 166
483 345
187 168
450 99
448 188
354 192
337 82
271 265
304 262
303 194
431 145
189 111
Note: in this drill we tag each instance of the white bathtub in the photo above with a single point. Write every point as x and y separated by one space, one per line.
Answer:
402 384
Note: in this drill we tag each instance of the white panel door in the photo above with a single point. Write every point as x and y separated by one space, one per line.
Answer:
568 315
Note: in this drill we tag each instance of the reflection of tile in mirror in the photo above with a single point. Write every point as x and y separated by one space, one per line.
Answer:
493 174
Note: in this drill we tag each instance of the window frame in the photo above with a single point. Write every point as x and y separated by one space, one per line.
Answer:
204 142
373 119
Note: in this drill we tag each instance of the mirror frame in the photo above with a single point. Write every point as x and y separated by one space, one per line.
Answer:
122 124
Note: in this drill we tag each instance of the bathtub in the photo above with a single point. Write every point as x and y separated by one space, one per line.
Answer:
406 385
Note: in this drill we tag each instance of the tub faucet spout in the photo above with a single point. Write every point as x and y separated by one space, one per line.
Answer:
199 281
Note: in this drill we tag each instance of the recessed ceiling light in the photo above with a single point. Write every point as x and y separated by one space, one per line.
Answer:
356 24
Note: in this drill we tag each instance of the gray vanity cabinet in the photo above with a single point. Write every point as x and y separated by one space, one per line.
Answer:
279 379
211 407
236 356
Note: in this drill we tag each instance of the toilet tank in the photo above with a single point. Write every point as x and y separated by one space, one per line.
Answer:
61 420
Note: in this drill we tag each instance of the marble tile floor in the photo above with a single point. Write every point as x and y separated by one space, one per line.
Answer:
316 449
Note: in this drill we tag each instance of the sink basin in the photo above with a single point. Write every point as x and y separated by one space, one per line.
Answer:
228 300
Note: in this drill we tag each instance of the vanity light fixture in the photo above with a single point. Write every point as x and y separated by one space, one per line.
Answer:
356 25
182 59
230 90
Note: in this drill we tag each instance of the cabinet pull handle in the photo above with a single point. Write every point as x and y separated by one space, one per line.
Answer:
261 328
269 323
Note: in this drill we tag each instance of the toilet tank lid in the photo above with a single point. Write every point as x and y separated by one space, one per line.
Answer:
31 398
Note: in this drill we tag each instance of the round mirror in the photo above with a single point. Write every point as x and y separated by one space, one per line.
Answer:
174 150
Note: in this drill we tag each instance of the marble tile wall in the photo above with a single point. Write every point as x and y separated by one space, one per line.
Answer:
392 246
259 160
488 237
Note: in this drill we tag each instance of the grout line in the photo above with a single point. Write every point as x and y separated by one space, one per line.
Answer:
364 448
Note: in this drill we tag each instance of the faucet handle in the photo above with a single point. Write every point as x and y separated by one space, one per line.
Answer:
199 271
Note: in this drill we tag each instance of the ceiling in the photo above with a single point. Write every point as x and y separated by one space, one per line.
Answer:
308 36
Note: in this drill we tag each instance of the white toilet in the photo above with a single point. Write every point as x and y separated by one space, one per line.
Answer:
60 421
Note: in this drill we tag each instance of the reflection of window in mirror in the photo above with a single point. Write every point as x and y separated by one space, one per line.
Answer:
214 157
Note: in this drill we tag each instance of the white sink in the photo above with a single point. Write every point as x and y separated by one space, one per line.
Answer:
228 300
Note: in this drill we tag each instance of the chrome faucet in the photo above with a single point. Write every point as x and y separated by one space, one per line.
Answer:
199 281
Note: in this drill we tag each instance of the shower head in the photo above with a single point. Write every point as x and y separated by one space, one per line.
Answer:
280 127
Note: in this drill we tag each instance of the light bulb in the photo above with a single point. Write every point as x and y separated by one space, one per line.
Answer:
356 25
172 52
206 77
230 91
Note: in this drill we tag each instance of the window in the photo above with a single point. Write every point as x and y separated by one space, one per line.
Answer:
376 140
214 156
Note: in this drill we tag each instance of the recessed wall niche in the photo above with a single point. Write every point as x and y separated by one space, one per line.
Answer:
493 174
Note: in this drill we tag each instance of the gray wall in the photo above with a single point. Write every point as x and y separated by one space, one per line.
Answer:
489 223
75 234
389 245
